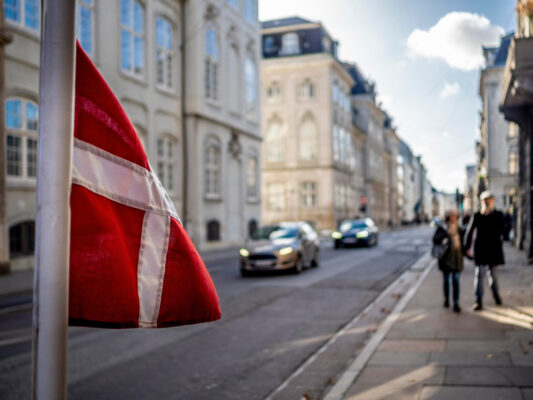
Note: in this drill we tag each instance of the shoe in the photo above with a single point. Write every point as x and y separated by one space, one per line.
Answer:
456 308
498 300
477 307
446 303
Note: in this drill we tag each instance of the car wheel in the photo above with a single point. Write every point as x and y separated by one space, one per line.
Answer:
337 245
245 273
299 266
316 258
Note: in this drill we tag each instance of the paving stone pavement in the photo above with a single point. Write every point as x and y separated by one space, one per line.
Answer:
433 353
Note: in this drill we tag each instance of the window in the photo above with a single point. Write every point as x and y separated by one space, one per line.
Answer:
308 194
513 163
211 64
234 3
336 143
22 239
21 123
132 37
166 163
268 44
84 24
250 10
308 140
163 53
290 44
274 92
251 178
276 197
213 230
252 227
234 80
275 142
24 12
250 85
335 92
212 168
307 90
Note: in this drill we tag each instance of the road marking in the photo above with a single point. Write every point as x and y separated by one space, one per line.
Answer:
416 266
348 377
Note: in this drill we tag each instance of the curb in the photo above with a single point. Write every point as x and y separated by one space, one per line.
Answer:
423 266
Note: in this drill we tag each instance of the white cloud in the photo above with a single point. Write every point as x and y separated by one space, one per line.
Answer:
457 39
450 89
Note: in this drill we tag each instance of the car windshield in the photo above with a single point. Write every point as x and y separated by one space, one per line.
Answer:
347 225
275 232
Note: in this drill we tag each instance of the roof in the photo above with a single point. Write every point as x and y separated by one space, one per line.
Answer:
275 23
362 86
501 54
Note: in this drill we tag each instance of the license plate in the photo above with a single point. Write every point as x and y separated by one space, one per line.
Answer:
263 263
350 240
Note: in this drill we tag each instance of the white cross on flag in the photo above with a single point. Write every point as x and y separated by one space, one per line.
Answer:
131 262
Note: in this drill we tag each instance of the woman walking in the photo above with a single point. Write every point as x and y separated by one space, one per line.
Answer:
488 225
451 262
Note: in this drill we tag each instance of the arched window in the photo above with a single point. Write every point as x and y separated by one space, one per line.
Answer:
213 230
307 90
85 25
251 177
21 124
166 164
24 12
22 239
212 168
132 36
276 196
275 142
308 140
234 79
211 63
290 44
273 92
250 84
250 10
252 227
164 53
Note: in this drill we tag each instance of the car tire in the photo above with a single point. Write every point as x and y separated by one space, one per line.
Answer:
336 245
299 266
316 259
245 273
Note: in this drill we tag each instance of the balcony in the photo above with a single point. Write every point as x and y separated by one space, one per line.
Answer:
518 76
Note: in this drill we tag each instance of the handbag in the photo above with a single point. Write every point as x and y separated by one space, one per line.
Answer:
438 250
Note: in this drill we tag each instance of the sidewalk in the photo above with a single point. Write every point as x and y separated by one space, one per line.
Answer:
432 353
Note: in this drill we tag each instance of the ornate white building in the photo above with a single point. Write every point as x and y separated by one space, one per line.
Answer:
137 45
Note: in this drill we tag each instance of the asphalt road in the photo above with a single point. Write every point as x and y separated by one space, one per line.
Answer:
270 325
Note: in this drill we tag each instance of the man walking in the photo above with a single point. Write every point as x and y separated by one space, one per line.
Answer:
486 230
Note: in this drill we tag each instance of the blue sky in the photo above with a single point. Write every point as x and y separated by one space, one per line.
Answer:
411 70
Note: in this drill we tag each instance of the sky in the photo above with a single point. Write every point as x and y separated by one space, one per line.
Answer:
425 57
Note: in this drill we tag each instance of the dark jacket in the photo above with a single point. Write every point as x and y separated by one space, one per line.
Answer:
450 261
488 243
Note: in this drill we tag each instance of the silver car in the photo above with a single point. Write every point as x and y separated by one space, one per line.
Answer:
283 246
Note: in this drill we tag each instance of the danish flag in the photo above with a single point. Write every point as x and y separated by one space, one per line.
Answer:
131 262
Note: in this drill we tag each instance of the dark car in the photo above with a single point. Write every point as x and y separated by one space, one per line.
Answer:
356 232
283 246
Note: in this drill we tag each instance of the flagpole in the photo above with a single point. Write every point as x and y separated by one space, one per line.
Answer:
50 320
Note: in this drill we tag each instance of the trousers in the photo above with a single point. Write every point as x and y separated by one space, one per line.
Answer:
479 281
455 284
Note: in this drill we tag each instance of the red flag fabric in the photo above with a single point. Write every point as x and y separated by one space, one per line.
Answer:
131 262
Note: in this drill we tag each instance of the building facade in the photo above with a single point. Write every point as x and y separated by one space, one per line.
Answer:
312 167
516 103
498 143
471 197
407 190
137 47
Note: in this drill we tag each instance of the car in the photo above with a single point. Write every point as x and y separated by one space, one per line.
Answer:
282 246
355 232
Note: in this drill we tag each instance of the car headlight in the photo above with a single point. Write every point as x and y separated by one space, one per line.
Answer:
286 250
336 235
362 235
244 252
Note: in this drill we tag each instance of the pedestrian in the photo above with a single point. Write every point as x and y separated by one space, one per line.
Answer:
487 227
451 261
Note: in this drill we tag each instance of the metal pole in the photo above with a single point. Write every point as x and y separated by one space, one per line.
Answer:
53 191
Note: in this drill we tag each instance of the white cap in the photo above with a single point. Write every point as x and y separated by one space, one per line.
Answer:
486 195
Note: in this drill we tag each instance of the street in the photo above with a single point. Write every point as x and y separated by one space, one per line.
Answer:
270 325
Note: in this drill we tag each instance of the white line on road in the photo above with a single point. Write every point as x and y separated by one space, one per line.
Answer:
416 266
348 377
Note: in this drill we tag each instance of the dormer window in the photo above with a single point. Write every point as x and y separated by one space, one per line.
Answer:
290 44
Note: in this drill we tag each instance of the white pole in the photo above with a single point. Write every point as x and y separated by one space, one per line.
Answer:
50 320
